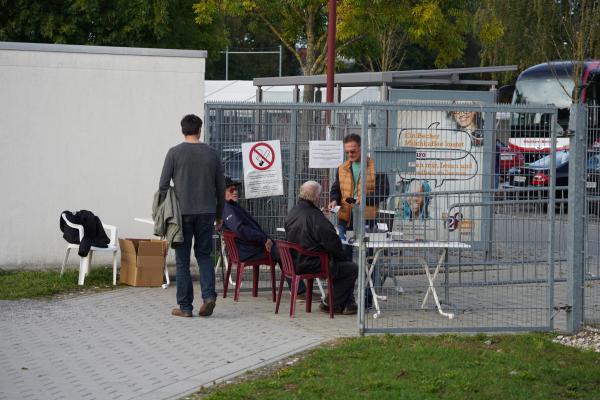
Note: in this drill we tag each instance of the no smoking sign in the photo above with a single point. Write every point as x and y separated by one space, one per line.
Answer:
262 156
262 169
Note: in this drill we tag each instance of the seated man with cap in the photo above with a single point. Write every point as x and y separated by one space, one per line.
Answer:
239 221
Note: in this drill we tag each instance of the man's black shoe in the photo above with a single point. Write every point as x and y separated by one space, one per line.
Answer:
350 309
325 308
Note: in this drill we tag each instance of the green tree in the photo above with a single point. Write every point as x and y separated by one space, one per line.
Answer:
244 34
300 25
159 23
382 27
531 32
388 29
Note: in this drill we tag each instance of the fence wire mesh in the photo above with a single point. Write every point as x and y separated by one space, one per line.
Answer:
591 300
464 177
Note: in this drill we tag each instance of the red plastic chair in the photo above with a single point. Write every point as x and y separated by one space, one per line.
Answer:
288 271
230 239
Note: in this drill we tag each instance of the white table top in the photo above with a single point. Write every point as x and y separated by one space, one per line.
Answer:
404 244
389 243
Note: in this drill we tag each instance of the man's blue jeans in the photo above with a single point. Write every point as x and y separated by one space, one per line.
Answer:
199 227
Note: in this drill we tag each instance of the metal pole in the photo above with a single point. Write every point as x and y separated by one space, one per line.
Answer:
358 222
487 213
318 95
293 151
331 20
259 94
207 124
280 58
576 217
337 98
551 222
227 63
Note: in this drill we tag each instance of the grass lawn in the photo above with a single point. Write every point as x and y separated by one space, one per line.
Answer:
30 284
527 366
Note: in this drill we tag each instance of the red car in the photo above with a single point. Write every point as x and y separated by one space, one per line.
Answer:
507 158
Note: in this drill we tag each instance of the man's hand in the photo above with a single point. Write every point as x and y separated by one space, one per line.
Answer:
219 224
269 245
332 204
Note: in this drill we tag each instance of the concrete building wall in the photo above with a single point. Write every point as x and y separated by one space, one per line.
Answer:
84 127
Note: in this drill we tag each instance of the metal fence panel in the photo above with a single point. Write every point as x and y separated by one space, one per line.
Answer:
591 300
459 227
229 125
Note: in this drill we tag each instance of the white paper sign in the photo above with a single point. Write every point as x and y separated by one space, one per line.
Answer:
325 153
262 169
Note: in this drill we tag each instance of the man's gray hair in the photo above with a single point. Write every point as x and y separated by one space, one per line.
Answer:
311 191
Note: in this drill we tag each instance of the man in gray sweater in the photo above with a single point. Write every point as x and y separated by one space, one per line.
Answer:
199 183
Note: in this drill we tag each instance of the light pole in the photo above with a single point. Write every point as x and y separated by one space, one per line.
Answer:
331 21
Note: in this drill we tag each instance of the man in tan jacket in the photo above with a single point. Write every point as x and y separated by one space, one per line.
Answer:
345 191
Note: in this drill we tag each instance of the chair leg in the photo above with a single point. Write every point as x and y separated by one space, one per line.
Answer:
62 269
273 280
330 296
114 268
89 263
226 281
167 279
238 281
83 266
295 283
279 293
309 289
255 270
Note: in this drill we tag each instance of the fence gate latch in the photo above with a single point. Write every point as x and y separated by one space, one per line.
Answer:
561 307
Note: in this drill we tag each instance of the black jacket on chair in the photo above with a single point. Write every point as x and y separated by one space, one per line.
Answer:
93 231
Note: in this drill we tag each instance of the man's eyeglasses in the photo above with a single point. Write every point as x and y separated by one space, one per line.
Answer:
232 189
462 113
351 151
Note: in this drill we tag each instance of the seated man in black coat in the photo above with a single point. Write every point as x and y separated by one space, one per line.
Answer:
238 220
307 226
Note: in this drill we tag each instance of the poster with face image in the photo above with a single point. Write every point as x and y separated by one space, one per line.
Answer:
449 156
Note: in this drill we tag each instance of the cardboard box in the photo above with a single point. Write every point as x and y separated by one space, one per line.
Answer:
143 261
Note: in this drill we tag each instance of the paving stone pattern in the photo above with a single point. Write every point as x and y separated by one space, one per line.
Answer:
124 344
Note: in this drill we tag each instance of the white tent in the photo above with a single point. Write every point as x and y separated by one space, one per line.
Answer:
242 91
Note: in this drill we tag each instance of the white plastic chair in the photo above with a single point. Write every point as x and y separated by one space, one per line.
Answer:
84 262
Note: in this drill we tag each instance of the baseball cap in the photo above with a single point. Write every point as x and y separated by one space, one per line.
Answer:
230 182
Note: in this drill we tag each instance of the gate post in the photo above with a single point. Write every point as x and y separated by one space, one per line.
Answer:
292 184
576 217
359 223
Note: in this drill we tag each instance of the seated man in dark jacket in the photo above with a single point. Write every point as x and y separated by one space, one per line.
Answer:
307 226
238 220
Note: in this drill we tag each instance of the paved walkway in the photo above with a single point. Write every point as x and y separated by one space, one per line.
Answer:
124 344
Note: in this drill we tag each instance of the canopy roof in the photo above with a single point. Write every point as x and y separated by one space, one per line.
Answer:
448 76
